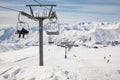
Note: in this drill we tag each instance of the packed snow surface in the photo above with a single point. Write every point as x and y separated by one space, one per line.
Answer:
82 64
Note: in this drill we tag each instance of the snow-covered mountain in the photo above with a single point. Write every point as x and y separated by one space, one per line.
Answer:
87 33
82 63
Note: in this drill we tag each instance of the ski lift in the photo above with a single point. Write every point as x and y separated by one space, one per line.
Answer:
22 28
50 40
52 28
53 16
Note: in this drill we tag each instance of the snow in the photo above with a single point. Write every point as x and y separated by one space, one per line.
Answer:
94 54
82 64
85 33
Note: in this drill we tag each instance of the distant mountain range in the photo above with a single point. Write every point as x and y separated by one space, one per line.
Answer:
85 33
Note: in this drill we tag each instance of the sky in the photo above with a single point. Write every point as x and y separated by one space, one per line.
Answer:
68 11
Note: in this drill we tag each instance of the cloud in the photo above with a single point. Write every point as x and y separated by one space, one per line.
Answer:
10 4
68 11
94 7
105 1
90 9
11 18
72 18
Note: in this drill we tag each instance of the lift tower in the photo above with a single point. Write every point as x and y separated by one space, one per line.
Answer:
50 15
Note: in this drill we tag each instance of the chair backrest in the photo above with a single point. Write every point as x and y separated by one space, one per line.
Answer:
52 28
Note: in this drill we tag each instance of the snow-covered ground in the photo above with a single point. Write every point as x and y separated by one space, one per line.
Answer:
82 64
95 55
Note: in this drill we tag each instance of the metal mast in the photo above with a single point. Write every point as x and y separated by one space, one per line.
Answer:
40 19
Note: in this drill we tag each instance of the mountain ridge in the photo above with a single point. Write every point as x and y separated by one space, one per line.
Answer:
89 33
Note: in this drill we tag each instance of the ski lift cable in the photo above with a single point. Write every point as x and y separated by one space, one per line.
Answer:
40 4
9 9
13 10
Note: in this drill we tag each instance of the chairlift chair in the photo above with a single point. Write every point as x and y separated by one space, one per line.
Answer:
50 40
22 28
52 28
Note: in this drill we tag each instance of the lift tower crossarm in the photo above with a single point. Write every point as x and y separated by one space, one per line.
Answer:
40 5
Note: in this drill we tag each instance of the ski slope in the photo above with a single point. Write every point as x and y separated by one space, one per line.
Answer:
82 64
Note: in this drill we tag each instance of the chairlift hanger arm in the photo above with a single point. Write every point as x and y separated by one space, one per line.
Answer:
31 11
50 11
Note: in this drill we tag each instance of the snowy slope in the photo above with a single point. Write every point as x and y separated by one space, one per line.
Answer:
88 33
82 64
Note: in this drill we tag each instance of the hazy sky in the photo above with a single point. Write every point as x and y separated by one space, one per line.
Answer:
68 11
